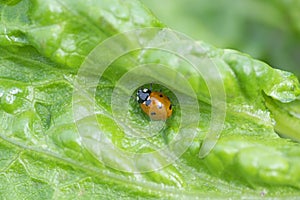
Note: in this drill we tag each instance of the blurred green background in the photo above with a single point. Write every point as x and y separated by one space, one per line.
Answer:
266 30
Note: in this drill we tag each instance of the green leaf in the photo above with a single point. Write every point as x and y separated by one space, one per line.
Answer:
228 24
43 47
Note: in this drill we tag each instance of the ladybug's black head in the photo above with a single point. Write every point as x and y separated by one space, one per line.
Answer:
142 95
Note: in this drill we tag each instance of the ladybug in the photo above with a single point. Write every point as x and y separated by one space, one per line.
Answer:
155 104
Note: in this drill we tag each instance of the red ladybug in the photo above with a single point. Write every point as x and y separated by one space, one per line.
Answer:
155 104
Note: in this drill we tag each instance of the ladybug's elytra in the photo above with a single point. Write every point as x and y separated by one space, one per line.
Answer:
155 104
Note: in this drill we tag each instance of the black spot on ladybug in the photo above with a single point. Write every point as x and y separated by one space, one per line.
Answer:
170 107
161 95
148 102
153 113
